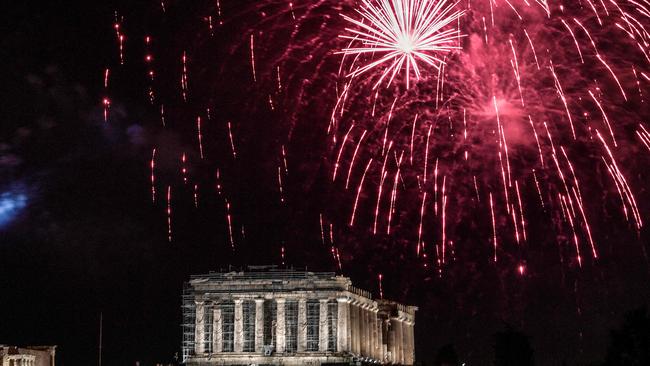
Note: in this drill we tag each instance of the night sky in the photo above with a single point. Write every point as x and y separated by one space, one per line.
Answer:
80 236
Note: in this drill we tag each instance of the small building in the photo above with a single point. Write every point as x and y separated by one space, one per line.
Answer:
266 316
27 356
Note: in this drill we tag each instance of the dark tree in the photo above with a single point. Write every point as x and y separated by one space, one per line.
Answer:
447 356
512 348
630 345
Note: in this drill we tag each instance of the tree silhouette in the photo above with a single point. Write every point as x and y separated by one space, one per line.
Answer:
447 356
630 345
512 348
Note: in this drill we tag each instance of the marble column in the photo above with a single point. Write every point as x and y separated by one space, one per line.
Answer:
409 357
399 340
367 333
239 326
280 335
363 349
359 327
302 325
373 333
323 331
199 329
392 340
217 330
342 325
259 325
379 341
354 328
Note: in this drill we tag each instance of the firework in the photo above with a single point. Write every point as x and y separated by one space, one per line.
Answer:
512 110
401 34
488 97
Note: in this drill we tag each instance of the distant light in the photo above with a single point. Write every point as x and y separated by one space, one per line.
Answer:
11 204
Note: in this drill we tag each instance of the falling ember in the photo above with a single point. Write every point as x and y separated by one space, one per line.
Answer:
280 184
219 12
232 141
284 161
354 156
322 231
356 200
184 86
107 106
419 243
199 135
184 168
494 228
229 220
153 176
196 196
106 73
253 58
169 213
218 181
338 158
381 287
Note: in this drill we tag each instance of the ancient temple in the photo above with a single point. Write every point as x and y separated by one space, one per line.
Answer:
267 316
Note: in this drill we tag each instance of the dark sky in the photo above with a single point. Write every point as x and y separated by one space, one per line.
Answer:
79 235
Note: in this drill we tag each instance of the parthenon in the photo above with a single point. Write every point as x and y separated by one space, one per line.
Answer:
271 317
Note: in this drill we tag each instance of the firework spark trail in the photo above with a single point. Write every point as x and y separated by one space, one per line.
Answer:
338 158
107 106
622 181
322 231
393 196
152 165
199 136
426 156
148 58
284 161
253 58
169 213
494 228
232 141
184 82
120 37
602 111
415 120
229 221
419 243
356 199
521 211
184 168
644 136
281 189
354 156
444 218
539 147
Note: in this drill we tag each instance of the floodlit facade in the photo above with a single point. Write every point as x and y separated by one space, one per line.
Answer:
266 316
27 356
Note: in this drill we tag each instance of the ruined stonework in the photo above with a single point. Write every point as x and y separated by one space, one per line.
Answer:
267 316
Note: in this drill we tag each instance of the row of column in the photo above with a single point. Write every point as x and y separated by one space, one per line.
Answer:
359 329
280 326
401 341
18 361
